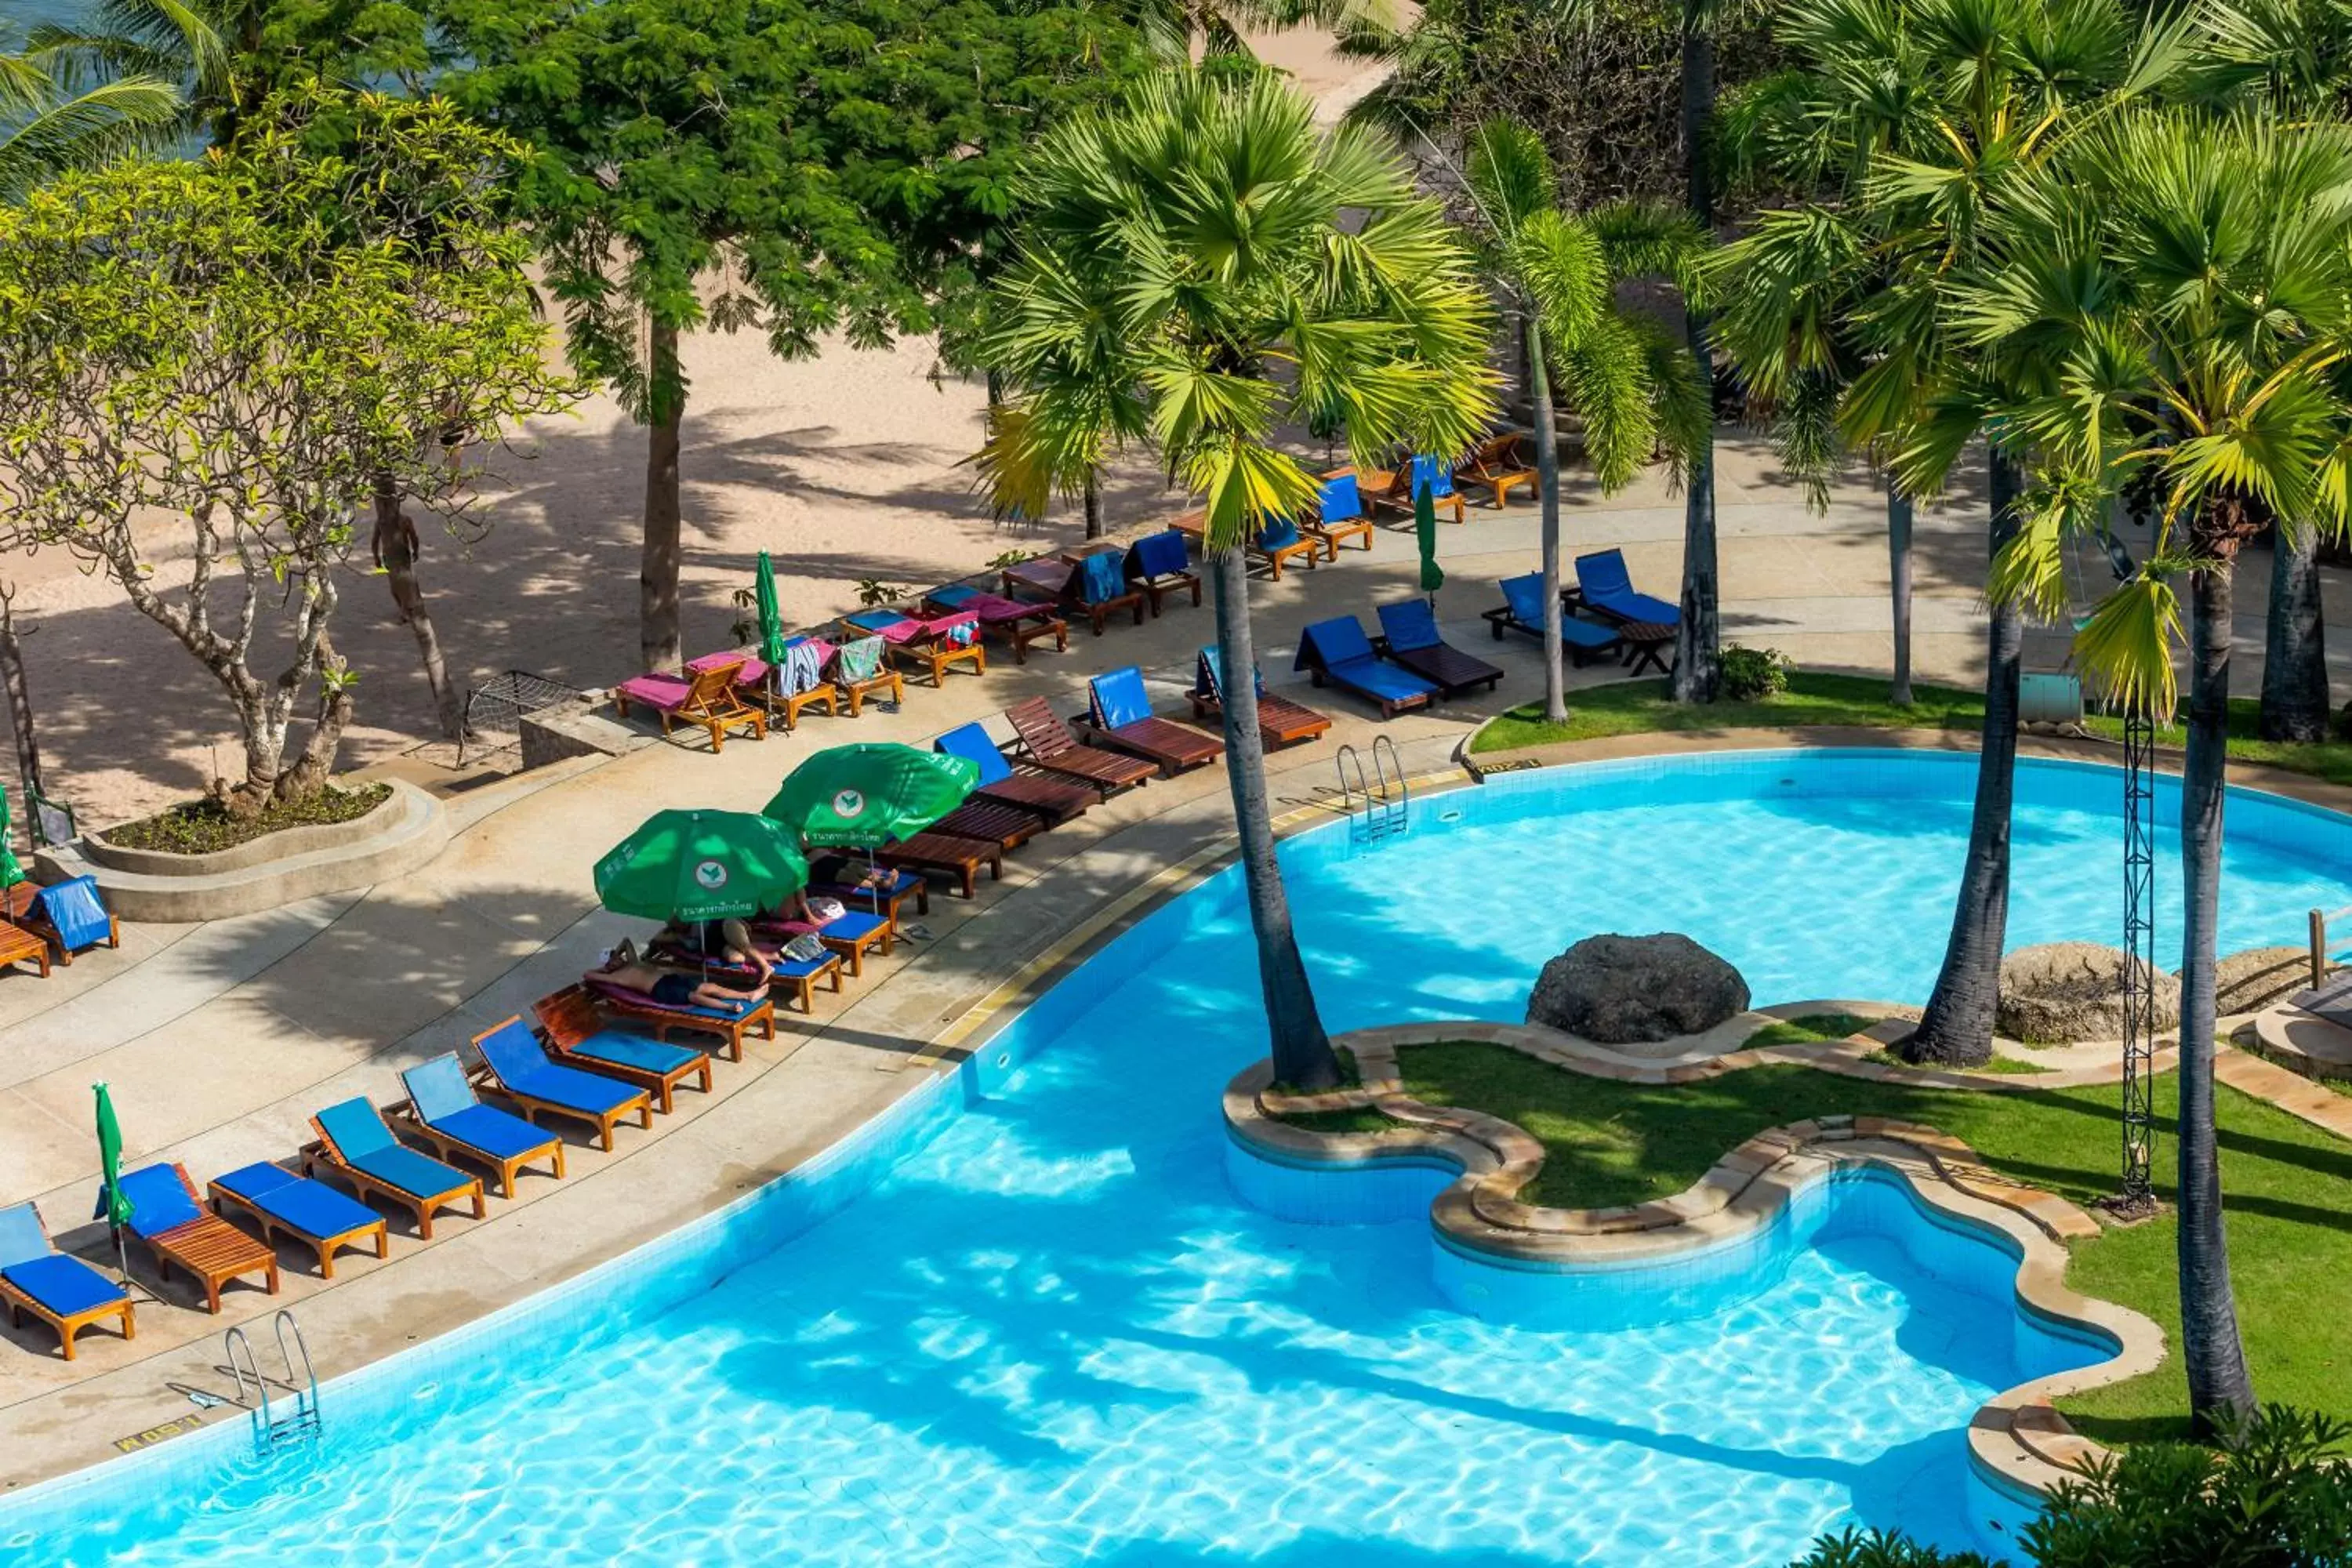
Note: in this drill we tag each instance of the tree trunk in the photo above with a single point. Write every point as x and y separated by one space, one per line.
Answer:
1547 492
657 629
1698 642
1303 1058
20 702
2218 1383
395 552
1898 553
1093 505
1957 1028
2295 642
316 766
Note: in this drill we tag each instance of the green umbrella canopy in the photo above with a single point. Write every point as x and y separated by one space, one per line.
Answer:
865 796
1424 525
114 1207
11 873
700 866
771 619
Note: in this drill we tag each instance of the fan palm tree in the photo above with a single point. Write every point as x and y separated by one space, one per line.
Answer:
2190 281
1228 267
1914 120
55 115
1635 388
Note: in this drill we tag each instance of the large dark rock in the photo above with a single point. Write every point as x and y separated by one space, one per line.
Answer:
2062 992
1622 989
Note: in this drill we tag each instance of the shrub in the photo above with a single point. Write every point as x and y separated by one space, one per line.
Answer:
873 591
1750 673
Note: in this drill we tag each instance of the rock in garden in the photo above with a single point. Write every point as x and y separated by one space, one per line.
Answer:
1622 989
2062 992
2250 981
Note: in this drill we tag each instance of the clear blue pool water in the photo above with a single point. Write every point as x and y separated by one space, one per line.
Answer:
1029 1321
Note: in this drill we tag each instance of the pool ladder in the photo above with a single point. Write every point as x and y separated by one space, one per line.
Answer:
1381 805
271 1428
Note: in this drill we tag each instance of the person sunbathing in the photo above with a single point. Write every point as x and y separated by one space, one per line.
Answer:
669 988
725 942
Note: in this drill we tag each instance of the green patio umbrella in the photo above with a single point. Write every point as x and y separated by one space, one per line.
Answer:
865 796
114 1207
700 866
771 619
11 873
1425 528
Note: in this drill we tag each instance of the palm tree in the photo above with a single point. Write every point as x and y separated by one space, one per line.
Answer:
1635 388
2191 281
55 115
1698 638
1247 270
1914 123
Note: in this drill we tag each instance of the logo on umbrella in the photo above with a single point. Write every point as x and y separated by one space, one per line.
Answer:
848 803
711 874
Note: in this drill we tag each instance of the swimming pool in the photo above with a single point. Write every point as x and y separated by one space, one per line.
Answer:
1025 1318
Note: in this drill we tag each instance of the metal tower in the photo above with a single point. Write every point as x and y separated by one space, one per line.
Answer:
2138 1194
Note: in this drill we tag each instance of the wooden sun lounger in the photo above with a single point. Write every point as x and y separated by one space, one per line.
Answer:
959 858
1390 489
321 1154
709 700
1498 464
636 1004
1001 823
18 945
1280 722
926 649
1018 622
1170 747
1194 526
325 1242
20 1300
210 1249
568 1020
1048 742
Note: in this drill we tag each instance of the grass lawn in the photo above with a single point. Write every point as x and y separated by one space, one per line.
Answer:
2288 1185
1810 1029
1855 702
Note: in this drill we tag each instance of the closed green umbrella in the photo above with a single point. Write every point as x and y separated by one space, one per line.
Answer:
11 873
1425 528
114 1207
865 796
771 619
692 866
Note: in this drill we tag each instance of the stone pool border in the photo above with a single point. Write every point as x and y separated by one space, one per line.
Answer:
2017 1442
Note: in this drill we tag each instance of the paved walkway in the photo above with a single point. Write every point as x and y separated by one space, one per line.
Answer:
219 1040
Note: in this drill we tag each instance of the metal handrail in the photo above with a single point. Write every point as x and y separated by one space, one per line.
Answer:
282 1322
2319 923
259 1404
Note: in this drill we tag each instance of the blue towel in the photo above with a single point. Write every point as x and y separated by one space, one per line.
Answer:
971 742
1100 578
74 908
1434 475
1342 501
522 1066
1278 534
66 1286
1158 555
1118 697
158 1201
624 1050
309 1208
1409 623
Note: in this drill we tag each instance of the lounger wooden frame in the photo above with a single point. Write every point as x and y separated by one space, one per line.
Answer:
405 1119
1338 532
209 1249
67 1324
24 912
1037 623
1390 489
1497 464
1171 748
18 943
711 703
640 1104
762 1015
322 1154
945 852
786 705
326 1247
1006 823
1280 722
884 678
1306 547
569 1017
1046 741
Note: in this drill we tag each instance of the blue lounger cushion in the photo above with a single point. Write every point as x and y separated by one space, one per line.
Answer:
1342 500
518 1061
1409 623
803 968
1118 697
853 925
76 912
308 1208
1100 578
1279 534
1609 587
158 1201
63 1285
1434 475
1524 598
624 1050
1205 678
361 1141
1340 650
875 620
447 1103
1163 554
954 596
970 743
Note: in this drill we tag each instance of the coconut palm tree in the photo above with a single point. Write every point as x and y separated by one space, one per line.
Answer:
55 115
1246 271
1913 121
2190 280
1635 389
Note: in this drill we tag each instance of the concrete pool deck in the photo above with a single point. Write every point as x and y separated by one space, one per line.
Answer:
218 1040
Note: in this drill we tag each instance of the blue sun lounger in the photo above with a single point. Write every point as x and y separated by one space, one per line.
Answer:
445 1111
1280 720
1338 650
355 1144
519 1069
312 1213
64 1292
1522 611
1607 589
168 1219
1052 797
71 916
1409 636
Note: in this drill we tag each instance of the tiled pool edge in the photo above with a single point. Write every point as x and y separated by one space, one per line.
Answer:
2020 1446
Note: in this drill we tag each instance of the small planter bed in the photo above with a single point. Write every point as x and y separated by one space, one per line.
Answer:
202 827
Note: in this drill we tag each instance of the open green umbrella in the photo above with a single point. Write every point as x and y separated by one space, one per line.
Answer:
700 866
771 619
113 1206
865 796
1425 526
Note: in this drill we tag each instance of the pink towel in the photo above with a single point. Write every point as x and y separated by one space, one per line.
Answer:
752 673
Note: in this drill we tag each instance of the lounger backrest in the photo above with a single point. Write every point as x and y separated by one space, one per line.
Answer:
1100 578
354 1128
1602 574
1409 623
512 1052
1523 597
970 743
1278 534
1434 475
860 660
438 1089
158 1201
954 596
1209 684
714 686
1039 728
1119 698
567 1017
1157 555
1332 642
1342 500
74 907
21 1236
